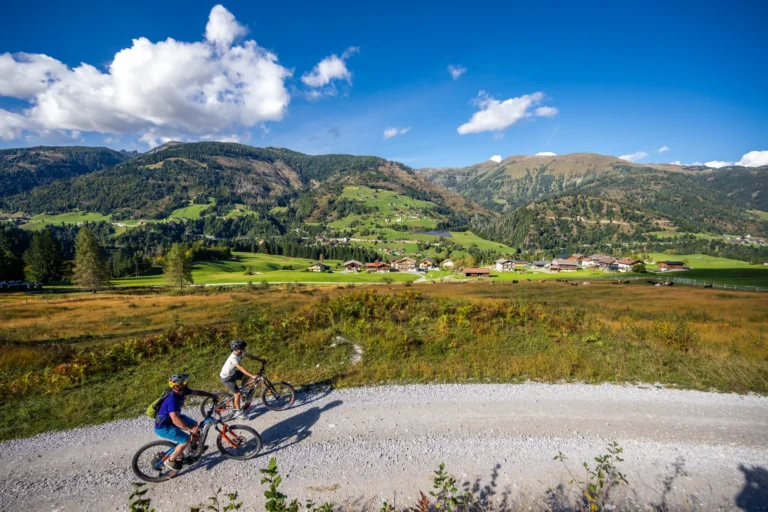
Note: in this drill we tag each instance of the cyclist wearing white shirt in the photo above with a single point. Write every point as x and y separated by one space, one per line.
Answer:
232 371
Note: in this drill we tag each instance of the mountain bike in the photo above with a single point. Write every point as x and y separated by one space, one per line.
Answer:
239 442
276 396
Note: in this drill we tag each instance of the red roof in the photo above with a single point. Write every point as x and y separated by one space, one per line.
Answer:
376 264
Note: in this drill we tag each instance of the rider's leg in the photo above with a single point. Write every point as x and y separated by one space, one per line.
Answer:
237 400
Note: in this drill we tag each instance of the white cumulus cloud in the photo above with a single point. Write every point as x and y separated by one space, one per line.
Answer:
754 159
663 149
392 132
153 89
495 115
546 153
676 162
456 71
495 158
634 157
716 164
326 71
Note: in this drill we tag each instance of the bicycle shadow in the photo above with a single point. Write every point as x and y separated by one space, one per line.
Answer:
305 395
294 429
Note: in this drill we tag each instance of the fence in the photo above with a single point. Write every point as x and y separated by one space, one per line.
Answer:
683 281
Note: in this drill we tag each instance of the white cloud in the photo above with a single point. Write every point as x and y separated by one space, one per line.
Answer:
634 157
663 149
151 88
326 71
391 132
495 115
546 153
676 162
754 159
11 125
222 28
456 71
498 136
697 163
495 158
547 111
716 164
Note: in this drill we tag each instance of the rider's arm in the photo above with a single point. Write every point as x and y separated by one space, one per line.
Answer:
245 372
179 422
200 392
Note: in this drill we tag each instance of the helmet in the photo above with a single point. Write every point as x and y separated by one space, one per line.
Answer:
238 345
178 379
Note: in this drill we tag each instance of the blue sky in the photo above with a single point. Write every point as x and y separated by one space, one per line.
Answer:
615 80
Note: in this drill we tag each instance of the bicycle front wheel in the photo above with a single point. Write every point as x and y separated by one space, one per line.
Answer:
148 462
278 396
239 442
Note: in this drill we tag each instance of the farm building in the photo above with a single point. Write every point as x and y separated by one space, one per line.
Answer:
578 258
319 267
626 264
540 264
520 264
606 262
353 266
665 266
504 265
428 264
404 265
477 272
562 265
378 267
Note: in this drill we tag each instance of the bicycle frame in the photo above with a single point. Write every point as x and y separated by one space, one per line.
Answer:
206 425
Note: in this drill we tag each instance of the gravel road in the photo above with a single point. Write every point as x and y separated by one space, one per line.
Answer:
683 449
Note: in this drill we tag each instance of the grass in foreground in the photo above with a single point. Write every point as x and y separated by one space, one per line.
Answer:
408 336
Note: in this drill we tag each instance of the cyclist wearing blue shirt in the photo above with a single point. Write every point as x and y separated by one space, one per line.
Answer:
170 423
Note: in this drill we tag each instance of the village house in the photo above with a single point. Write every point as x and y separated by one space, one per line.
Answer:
428 264
377 267
562 265
353 266
504 265
477 272
665 266
519 264
591 261
626 264
448 264
578 258
540 264
606 262
319 267
404 265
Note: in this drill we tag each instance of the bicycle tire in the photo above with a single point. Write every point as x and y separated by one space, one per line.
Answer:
250 451
285 390
165 473
207 403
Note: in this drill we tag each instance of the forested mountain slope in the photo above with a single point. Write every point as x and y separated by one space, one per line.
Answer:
23 169
154 184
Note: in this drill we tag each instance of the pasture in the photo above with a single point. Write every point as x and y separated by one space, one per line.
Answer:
75 359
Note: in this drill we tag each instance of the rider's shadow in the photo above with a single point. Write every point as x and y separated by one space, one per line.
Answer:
304 396
294 429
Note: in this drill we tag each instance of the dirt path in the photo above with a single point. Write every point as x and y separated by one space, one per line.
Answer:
692 450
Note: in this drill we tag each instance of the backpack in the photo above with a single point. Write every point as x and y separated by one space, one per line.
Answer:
155 406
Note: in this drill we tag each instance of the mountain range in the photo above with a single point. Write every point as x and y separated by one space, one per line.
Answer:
524 201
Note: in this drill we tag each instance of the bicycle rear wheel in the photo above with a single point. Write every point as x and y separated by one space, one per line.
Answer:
225 408
239 442
281 398
148 464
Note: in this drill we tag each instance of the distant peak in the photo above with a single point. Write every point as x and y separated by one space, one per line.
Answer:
161 147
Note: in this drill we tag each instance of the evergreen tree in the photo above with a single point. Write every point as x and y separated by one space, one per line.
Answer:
90 269
178 266
44 257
